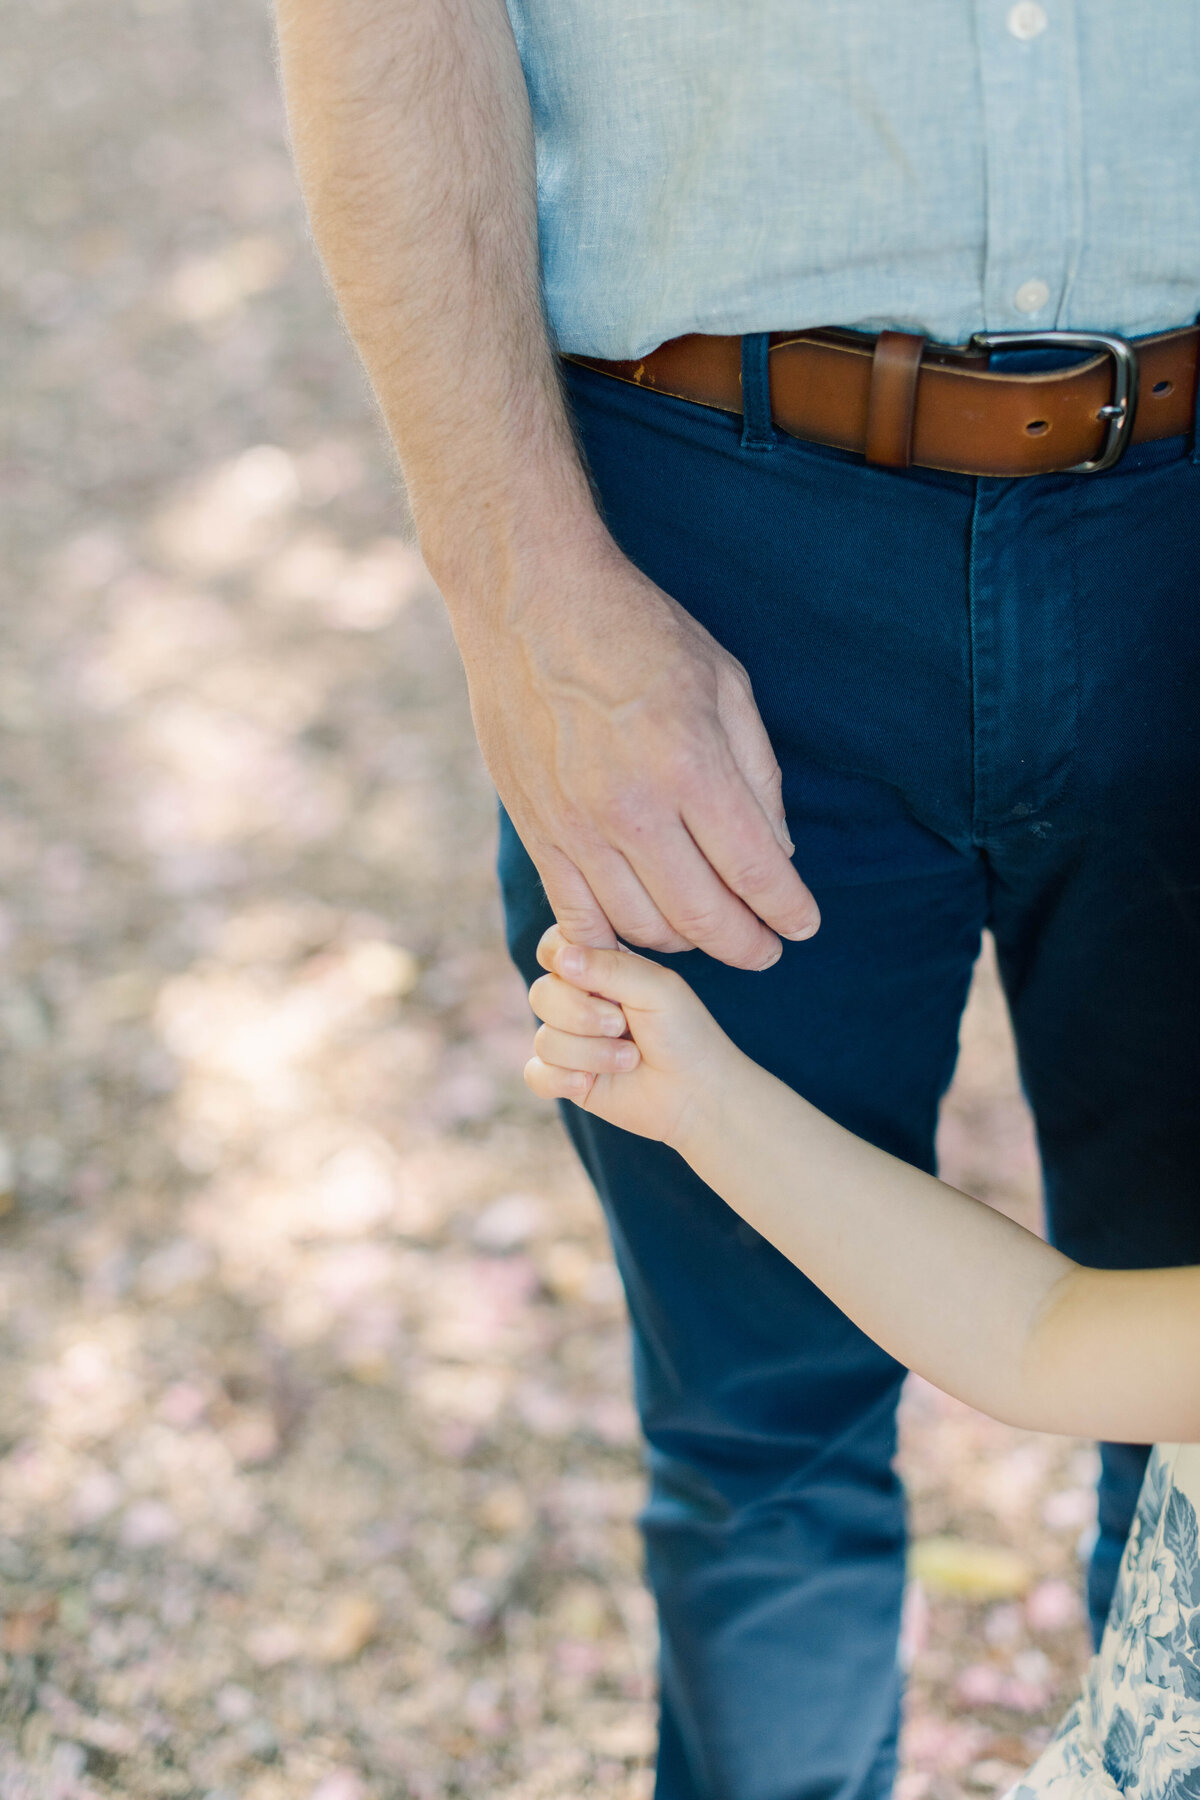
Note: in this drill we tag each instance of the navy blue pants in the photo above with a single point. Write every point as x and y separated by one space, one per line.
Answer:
985 697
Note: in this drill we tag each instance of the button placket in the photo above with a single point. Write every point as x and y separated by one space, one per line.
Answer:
1030 107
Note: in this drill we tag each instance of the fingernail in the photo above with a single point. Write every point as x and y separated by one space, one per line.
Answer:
626 1056
771 960
572 960
799 937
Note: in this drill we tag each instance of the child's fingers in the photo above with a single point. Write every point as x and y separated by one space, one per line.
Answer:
558 1003
598 1056
619 975
552 1083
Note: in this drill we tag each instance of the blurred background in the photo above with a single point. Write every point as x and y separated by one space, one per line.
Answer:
317 1467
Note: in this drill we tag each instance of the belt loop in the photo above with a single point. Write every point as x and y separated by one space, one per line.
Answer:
757 431
892 405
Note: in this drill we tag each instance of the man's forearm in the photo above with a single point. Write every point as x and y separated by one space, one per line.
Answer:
412 134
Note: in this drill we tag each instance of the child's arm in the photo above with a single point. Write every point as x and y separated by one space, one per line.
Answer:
951 1288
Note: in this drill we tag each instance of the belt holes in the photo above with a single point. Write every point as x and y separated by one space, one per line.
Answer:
1038 427
1162 389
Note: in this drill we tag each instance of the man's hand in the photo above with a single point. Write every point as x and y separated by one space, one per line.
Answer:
628 751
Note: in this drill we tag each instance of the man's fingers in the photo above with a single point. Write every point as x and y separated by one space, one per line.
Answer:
579 913
751 749
596 1056
634 914
557 1084
718 880
557 1003
732 832
699 905
603 900
683 890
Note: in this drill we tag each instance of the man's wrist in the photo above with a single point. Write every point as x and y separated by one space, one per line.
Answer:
495 569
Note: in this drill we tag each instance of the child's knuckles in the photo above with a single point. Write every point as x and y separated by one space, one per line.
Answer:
551 1082
549 944
535 1075
575 1051
558 1003
539 994
572 960
573 1010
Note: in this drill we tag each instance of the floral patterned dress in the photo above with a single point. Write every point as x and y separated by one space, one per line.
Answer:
1135 1729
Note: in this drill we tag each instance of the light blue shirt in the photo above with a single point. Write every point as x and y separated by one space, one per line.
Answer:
940 166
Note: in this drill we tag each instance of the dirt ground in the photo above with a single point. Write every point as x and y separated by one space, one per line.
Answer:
317 1465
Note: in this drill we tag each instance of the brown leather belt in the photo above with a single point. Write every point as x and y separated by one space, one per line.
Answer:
898 400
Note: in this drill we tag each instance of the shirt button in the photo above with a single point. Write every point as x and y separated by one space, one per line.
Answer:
1027 19
1031 296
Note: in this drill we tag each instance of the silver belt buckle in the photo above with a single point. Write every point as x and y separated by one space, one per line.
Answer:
1120 410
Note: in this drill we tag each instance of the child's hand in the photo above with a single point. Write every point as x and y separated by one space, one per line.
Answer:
649 1081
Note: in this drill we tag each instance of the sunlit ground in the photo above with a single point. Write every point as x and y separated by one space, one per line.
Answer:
318 1468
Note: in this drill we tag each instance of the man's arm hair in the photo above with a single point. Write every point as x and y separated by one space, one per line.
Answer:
411 128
